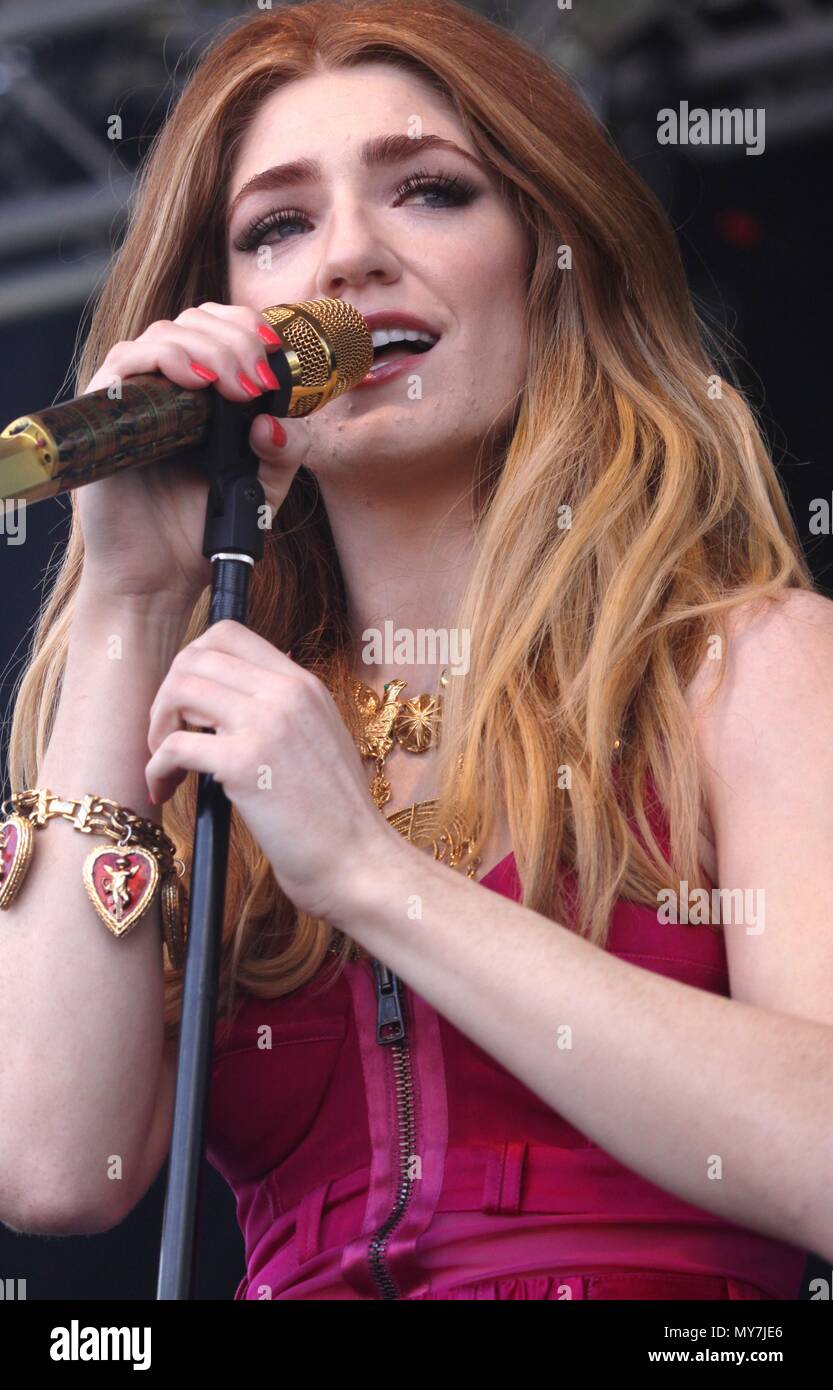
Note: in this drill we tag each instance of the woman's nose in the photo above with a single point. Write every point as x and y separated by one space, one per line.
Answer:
355 251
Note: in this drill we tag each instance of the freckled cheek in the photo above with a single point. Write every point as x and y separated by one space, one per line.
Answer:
503 364
257 287
243 286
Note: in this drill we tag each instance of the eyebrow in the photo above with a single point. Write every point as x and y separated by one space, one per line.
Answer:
376 153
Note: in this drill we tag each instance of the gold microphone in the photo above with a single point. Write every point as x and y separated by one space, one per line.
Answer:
326 350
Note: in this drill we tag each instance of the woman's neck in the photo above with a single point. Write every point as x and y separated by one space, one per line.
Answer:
405 569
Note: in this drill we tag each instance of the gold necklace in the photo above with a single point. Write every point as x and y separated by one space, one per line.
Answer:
415 725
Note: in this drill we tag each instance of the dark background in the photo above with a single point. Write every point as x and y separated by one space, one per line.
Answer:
755 233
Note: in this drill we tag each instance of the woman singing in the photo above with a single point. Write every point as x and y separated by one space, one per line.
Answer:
558 1022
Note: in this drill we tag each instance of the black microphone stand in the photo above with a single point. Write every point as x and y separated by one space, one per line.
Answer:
233 541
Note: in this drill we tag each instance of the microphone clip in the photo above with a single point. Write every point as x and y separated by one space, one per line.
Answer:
236 499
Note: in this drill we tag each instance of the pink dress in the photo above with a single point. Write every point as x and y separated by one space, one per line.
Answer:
422 1169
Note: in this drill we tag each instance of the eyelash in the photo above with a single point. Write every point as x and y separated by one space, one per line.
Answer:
454 185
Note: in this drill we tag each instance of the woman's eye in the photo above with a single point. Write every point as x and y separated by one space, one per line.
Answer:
258 233
455 191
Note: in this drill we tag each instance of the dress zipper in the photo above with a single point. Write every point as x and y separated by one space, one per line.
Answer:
391 1032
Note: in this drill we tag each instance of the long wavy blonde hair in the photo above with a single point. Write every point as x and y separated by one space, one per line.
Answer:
581 632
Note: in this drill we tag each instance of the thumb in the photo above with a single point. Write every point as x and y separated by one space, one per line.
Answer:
268 442
267 437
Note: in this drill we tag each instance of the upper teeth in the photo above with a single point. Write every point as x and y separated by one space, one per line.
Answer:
381 336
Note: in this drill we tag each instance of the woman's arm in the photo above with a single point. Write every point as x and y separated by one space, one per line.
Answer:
666 1077
81 1031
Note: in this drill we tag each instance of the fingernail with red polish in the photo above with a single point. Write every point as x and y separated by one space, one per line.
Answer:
205 372
278 432
266 374
269 335
248 385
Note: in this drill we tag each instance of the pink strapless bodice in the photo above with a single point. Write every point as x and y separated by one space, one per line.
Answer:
427 1171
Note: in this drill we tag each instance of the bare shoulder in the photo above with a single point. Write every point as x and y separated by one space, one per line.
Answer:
781 637
777 678
765 744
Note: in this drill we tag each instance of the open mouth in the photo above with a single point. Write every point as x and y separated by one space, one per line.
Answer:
392 347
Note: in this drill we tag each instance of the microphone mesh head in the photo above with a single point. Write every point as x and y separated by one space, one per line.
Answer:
332 344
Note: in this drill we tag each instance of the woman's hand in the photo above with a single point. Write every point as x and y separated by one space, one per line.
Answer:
281 752
143 527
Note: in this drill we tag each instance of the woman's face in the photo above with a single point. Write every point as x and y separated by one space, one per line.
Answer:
453 255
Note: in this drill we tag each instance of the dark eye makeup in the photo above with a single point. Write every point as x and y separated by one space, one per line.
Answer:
453 186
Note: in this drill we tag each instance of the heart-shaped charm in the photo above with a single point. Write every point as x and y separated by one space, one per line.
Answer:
17 840
120 884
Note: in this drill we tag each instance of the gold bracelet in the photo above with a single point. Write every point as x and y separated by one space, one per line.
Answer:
120 882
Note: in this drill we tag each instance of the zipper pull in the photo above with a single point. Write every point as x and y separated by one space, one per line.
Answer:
390 1019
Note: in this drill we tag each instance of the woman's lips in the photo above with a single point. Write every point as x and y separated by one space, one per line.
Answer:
387 368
